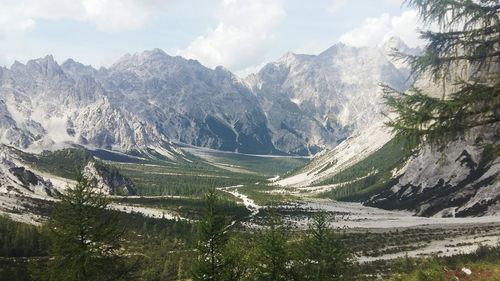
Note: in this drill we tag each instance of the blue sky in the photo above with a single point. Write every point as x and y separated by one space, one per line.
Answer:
240 34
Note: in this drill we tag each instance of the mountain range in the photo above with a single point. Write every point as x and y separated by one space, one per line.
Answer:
328 105
297 105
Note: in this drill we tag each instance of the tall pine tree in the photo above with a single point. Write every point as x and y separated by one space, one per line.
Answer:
212 240
86 240
324 256
272 258
463 57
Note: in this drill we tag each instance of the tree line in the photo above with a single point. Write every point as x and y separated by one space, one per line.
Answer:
84 240
87 242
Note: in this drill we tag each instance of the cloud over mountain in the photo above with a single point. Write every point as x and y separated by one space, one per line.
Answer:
241 37
376 30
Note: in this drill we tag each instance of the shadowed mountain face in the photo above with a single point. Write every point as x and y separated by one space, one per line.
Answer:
296 105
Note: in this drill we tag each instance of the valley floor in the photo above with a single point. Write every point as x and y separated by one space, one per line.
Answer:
169 200
412 236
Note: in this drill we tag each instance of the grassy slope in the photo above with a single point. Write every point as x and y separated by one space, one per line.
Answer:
65 163
370 175
264 165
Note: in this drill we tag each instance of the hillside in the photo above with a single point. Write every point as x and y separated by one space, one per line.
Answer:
460 180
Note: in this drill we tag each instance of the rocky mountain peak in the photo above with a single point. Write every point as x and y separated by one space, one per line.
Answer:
288 59
154 56
45 64
296 105
41 68
335 50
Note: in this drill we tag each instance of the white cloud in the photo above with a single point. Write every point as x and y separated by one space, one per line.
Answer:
242 36
121 14
374 31
108 15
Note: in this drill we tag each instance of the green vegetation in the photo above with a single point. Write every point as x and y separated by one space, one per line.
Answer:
191 208
165 249
272 254
268 166
212 239
19 239
85 240
187 180
66 163
371 175
157 176
484 265
197 177
326 255
462 58
263 194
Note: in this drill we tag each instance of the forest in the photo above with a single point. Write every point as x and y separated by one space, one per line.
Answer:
217 246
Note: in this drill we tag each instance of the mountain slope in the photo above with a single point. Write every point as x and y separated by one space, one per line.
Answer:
317 101
461 180
43 106
143 100
330 162
190 103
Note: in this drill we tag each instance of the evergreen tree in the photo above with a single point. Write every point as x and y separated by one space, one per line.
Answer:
212 239
324 256
86 240
19 239
272 258
464 57
235 256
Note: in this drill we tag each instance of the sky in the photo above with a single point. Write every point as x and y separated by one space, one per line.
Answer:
241 35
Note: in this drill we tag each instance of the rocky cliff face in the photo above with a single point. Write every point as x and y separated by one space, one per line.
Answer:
461 180
17 179
318 101
43 106
108 180
190 103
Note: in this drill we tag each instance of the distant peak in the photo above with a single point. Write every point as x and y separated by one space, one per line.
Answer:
289 54
334 49
49 58
158 50
394 42
155 52
288 58
47 61
144 56
17 64
222 69
71 62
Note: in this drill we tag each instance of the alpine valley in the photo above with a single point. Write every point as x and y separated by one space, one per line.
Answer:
305 133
